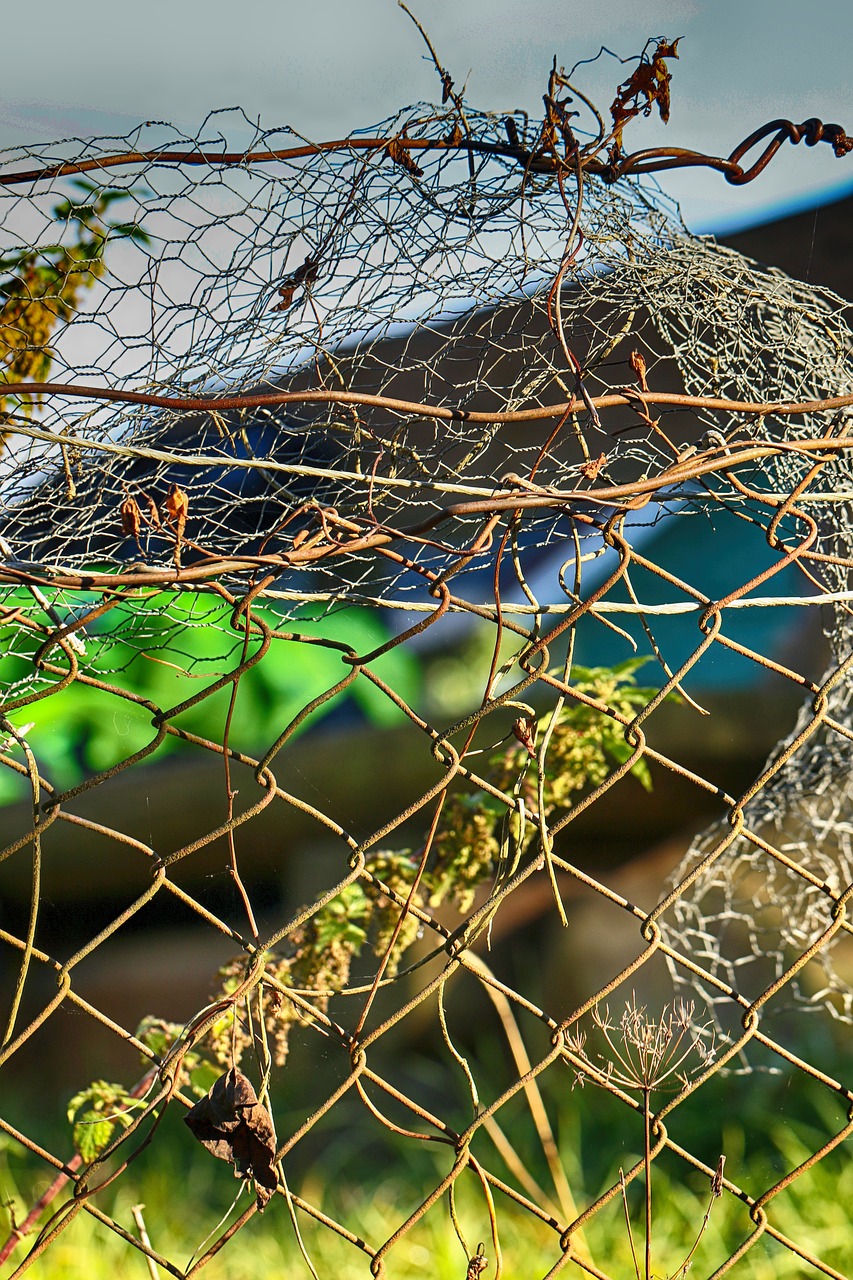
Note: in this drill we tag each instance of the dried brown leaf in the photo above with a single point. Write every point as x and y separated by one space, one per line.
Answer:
525 731
592 467
304 275
286 291
177 509
153 513
638 364
649 84
400 154
231 1123
131 518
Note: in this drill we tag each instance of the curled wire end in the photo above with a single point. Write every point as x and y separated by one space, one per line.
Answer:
811 131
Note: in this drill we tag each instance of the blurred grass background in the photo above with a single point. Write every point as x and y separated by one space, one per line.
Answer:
763 1132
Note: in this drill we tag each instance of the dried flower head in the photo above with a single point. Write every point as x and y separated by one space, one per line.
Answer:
642 1052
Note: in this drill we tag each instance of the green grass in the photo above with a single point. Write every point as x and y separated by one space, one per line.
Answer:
186 1193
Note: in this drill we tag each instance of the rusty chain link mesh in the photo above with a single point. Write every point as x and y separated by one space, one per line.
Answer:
445 373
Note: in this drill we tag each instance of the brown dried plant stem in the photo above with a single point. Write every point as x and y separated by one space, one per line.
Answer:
229 791
647 1174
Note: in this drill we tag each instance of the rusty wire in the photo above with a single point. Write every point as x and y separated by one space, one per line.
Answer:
457 425
540 160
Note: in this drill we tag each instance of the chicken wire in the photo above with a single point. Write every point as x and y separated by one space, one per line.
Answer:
456 366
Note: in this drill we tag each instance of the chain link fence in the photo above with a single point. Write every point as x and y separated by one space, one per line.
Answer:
332 409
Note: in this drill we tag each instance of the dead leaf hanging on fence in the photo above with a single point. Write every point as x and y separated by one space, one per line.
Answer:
153 513
638 364
131 518
233 1125
649 84
397 152
593 466
525 731
177 509
304 275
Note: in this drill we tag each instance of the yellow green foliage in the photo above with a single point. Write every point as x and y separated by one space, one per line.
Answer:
396 872
477 830
42 287
465 850
95 1113
318 960
585 743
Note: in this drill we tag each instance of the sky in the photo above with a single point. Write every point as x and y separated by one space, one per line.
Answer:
326 67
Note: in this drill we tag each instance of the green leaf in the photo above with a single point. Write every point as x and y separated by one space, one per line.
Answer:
643 775
109 1107
620 751
331 930
108 197
189 643
157 1035
92 1134
338 920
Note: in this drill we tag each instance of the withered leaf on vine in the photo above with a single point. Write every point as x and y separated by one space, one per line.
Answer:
286 293
524 730
400 154
649 84
304 275
131 518
231 1123
153 513
177 509
638 364
591 468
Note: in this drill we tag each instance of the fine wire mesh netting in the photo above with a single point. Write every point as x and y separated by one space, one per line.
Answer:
338 405
431 290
